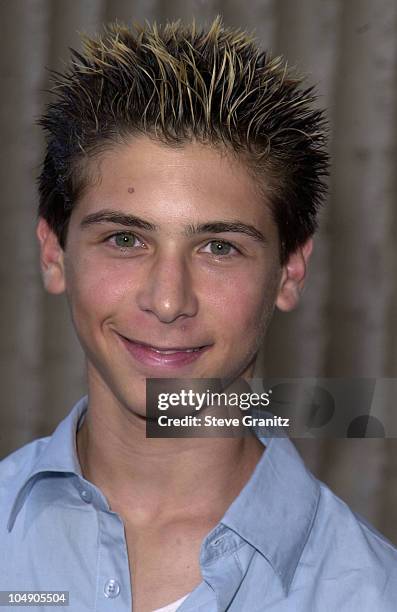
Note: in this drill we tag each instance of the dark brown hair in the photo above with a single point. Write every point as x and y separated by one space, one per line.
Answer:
176 84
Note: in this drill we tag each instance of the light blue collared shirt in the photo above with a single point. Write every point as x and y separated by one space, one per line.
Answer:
286 543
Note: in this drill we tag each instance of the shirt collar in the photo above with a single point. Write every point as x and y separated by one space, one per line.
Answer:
275 510
58 454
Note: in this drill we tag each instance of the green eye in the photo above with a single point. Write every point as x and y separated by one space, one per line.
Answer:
125 240
220 248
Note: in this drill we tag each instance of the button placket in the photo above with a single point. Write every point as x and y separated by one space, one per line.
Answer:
114 588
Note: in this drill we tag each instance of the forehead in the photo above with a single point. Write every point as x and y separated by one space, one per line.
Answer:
172 184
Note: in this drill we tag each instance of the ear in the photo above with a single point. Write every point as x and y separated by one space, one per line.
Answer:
293 277
51 258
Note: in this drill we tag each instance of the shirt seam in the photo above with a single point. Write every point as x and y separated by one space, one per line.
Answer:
228 553
97 561
309 530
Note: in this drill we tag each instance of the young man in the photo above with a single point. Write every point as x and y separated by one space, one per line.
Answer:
178 199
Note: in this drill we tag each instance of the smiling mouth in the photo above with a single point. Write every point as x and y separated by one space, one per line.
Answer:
166 350
169 356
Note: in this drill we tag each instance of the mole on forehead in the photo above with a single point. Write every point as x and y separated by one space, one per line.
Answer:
131 190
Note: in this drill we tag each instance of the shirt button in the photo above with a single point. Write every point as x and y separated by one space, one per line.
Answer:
111 588
86 495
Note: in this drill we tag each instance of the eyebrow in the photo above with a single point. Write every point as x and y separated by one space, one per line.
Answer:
114 216
192 229
217 227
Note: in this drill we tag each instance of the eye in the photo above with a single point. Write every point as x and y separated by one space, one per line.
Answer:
220 247
123 240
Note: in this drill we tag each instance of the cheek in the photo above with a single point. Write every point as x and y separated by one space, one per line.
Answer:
243 305
94 289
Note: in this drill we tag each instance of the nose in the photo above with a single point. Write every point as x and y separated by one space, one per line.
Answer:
167 291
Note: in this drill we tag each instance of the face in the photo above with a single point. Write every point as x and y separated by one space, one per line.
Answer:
171 269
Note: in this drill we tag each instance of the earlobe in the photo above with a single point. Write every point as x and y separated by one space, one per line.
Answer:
51 258
293 277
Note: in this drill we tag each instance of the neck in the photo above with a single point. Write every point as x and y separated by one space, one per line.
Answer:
167 478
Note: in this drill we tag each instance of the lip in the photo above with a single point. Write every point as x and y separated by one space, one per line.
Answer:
149 355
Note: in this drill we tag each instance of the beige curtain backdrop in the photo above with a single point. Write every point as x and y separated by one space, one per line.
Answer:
346 325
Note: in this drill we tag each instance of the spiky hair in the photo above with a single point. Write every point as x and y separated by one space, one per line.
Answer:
178 85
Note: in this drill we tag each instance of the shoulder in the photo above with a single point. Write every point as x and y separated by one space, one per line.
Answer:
21 460
347 529
348 555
